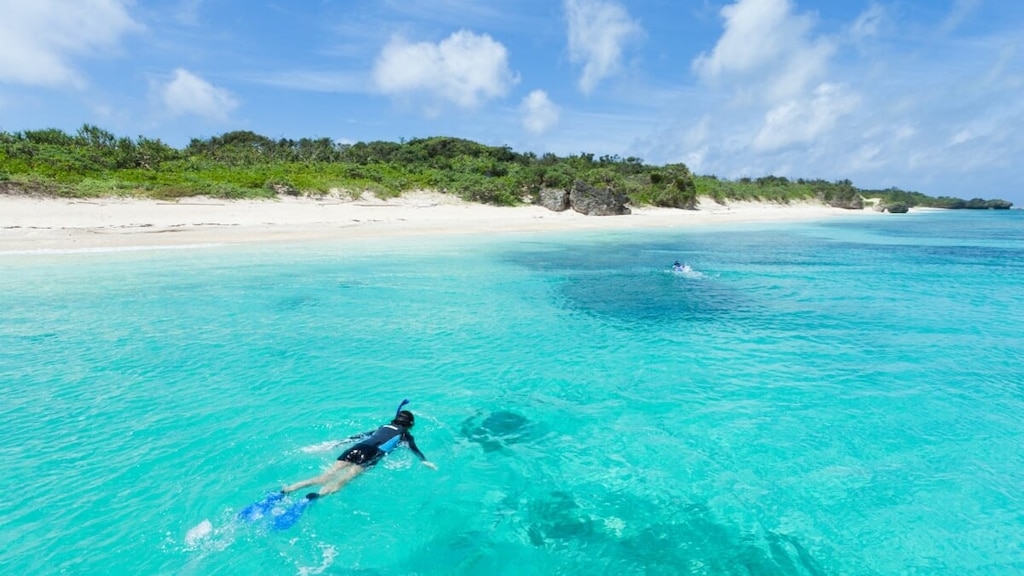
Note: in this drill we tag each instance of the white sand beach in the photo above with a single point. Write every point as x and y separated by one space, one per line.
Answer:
30 223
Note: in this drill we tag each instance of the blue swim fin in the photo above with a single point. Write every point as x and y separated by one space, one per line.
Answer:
258 510
291 514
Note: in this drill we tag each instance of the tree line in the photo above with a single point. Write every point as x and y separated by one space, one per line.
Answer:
242 164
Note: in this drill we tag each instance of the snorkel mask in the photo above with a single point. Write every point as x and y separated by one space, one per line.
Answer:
404 417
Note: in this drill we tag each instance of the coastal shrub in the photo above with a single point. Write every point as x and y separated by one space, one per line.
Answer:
243 164
710 187
665 197
498 193
171 192
30 184
100 187
147 154
281 187
230 191
558 176
49 136
672 186
479 188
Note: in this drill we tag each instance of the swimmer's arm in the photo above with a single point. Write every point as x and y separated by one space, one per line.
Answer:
359 436
355 437
416 451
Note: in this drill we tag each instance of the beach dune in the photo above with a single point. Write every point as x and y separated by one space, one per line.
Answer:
31 223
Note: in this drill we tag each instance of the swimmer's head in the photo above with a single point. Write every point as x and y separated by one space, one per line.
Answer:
404 418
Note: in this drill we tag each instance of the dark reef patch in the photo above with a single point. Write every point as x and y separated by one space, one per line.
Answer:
498 430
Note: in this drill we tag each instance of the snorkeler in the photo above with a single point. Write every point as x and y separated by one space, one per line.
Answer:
370 447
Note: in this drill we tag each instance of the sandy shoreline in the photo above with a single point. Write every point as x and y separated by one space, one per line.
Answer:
28 223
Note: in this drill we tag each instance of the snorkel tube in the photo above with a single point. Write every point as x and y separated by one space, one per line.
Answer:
404 402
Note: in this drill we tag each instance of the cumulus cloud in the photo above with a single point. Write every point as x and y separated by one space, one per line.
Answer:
599 30
766 43
756 32
40 39
768 84
924 112
539 112
464 69
187 93
802 121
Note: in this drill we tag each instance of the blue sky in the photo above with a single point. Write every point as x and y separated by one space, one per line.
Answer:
924 95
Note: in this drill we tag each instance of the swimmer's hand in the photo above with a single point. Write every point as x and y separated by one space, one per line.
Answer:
430 465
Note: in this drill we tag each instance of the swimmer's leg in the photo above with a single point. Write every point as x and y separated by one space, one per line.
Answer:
321 479
344 478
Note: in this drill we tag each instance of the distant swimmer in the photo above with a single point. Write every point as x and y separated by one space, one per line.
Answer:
370 447
677 267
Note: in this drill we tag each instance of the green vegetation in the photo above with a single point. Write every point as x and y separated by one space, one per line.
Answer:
242 164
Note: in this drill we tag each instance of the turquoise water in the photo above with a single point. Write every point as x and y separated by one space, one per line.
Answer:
844 397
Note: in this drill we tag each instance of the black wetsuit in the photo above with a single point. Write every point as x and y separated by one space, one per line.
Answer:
374 445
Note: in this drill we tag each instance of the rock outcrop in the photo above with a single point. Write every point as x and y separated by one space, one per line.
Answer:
593 201
554 199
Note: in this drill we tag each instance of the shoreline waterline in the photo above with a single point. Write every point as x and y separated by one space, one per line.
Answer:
29 224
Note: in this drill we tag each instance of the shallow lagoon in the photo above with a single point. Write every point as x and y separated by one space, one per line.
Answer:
842 397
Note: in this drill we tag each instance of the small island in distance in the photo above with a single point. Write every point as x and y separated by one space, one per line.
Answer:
244 165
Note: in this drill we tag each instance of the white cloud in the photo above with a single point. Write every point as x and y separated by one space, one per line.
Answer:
756 32
961 11
769 98
803 121
464 69
315 81
598 32
187 11
539 112
39 39
187 93
902 132
767 50
868 23
962 136
695 140
902 105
